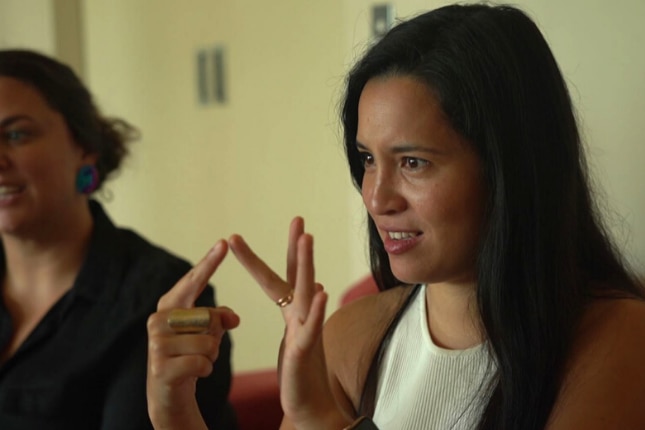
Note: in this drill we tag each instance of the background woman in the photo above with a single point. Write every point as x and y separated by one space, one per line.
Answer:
76 290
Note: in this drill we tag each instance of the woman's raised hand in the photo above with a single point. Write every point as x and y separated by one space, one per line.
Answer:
178 356
305 394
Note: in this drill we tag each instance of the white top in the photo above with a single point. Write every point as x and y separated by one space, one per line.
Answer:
423 386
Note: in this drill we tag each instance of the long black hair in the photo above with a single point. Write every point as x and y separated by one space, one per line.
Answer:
544 252
65 93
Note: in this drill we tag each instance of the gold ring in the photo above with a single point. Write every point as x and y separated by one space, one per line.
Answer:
196 320
284 301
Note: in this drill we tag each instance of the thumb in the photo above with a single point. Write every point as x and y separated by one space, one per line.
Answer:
228 318
184 293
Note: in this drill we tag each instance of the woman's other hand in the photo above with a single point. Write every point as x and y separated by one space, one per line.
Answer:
305 394
176 361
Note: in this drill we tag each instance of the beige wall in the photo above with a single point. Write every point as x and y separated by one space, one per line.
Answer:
201 173
27 24
274 151
50 26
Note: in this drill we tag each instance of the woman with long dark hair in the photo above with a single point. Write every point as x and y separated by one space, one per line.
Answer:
504 303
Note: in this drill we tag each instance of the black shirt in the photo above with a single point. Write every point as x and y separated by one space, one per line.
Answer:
84 365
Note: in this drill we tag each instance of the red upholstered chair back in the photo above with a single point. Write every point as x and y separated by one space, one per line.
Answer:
256 399
363 287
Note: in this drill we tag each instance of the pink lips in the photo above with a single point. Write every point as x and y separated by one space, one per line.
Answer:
9 194
400 246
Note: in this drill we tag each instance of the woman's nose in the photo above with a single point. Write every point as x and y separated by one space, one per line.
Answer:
382 194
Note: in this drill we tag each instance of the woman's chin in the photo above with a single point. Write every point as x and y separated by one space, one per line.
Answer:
409 277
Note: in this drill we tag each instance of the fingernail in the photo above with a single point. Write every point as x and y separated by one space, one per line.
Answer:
233 240
217 248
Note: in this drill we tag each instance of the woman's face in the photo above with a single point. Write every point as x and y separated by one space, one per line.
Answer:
423 184
38 160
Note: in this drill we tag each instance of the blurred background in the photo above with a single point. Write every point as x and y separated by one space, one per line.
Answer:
237 105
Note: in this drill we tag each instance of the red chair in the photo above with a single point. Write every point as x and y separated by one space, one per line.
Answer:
363 287
256 399
255 395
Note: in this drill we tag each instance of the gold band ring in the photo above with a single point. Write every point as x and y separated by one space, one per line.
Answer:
196 320
284 301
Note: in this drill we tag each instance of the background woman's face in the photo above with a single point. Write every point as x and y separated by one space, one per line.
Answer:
38 160
423 183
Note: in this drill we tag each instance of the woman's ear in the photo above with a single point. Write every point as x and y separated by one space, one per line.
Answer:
87 175
87 179
89 158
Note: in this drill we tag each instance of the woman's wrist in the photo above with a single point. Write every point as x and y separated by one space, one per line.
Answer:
173 418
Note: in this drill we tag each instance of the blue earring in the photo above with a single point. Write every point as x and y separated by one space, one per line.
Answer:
87 179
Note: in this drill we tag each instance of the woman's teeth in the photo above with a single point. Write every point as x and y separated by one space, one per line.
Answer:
6 190
398 235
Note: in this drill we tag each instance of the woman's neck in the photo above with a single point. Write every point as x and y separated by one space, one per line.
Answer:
453 316
47 262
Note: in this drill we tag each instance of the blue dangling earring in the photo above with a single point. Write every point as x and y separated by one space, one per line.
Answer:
87 179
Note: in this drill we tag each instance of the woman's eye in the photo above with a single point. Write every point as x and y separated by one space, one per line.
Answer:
413 162
15 136
367 159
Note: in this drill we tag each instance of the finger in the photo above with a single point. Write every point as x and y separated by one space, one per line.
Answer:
229 319
319 287
296 229
193 344
274 286
312 328
177 369
221 318
184 293
305 283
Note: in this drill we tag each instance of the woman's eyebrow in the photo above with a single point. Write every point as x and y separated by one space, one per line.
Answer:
406 147
14 118
359 145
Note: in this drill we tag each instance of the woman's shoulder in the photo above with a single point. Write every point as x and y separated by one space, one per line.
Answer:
615 326
353 334
362 313
609 317
606 321
604 381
